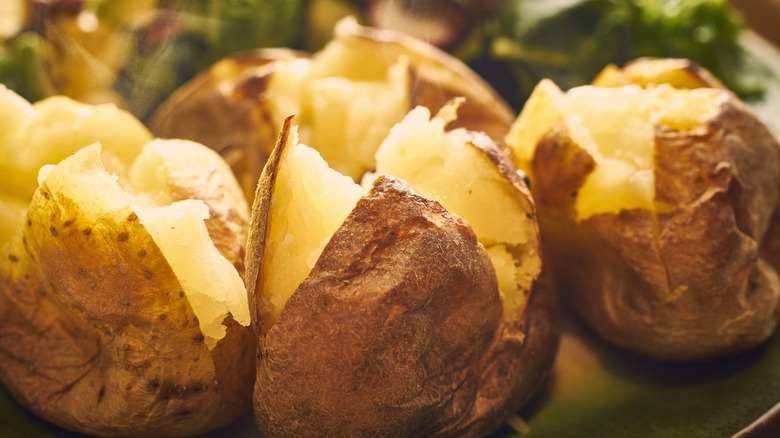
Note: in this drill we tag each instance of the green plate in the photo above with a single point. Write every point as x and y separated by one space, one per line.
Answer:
595 391
599 391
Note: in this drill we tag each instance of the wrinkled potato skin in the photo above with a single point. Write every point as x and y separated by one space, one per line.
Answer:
97 336
690 285
371 344
398 331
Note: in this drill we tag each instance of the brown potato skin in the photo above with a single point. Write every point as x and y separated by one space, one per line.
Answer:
228 219
689 283
398 331
97 336
226 109
223 109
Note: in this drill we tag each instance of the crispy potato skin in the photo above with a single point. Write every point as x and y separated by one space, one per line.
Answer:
223 108
258 227
98 337
689 282
398 331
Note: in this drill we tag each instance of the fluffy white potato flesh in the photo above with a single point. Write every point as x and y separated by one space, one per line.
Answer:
178 229
543 108
180 232
310 201
54 128
448 167
344 107
32 135
616 126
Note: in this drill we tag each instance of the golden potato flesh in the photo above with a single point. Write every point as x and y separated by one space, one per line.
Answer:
603 121
320 200
458 168
655 204
54 128
386 317
649 72
345 98
345 112
119 315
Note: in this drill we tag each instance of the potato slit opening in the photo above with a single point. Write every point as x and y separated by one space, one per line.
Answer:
177 228
449 167
616 127
309 202
342 113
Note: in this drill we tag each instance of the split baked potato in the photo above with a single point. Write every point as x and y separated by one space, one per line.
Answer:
654 205
345 98
409 306
122 305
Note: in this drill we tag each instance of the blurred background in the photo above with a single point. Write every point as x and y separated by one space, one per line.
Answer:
762 16
136 53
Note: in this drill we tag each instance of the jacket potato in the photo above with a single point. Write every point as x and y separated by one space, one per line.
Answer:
655 205
345 98
122 305
409 310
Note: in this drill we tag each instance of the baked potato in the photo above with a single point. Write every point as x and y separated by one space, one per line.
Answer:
654 204
645 72
345 98
122 305
414 309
